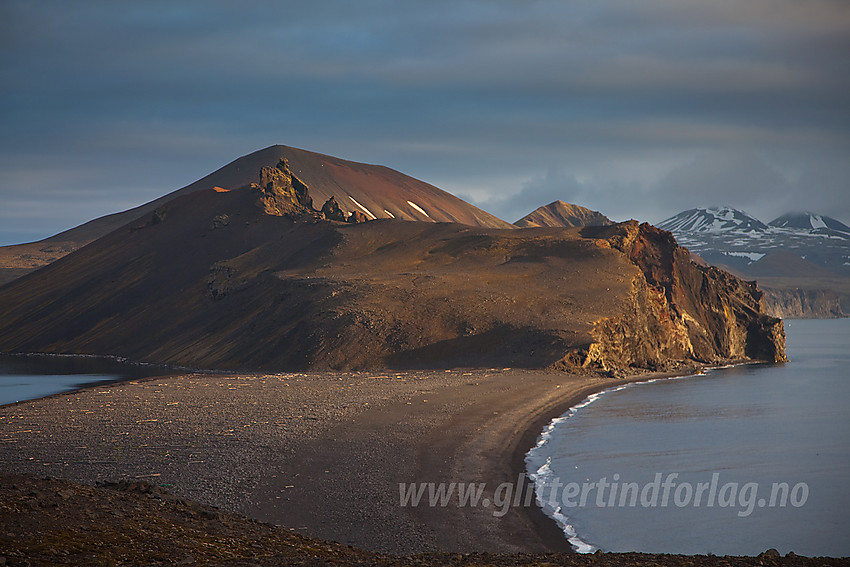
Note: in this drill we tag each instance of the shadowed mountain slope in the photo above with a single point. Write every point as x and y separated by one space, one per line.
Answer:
254 278
562 214
267 291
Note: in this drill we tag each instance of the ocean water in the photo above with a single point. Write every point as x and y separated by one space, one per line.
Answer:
34 376
750 458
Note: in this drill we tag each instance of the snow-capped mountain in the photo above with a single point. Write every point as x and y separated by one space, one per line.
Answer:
809 221
714 220
734 238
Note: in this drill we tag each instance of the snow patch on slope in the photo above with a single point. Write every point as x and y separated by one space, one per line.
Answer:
418 208
364 209
751 256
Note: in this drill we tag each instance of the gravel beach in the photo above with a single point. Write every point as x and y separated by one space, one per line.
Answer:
322 454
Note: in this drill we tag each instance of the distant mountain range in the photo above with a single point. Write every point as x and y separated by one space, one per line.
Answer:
734 238
810 221
801 259
715 220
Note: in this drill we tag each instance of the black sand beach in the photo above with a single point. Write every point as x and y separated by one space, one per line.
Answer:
320 453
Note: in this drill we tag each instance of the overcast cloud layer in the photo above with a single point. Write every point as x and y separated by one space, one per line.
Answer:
636 109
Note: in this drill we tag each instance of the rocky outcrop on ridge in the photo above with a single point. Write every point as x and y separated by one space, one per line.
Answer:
356 216
282 193
332 211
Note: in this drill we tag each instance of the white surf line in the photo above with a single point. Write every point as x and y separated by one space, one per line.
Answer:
365 210
542 476
418 208
392 216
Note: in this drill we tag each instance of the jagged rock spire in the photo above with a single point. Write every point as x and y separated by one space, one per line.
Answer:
332 211
282 193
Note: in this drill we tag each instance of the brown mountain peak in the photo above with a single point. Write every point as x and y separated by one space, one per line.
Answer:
561 214
373 191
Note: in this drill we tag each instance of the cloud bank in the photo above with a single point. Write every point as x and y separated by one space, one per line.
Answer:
634 109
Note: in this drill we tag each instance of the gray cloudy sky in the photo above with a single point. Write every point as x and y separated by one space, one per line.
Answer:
636 109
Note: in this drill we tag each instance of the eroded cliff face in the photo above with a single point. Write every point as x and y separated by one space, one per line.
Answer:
803 303
678 309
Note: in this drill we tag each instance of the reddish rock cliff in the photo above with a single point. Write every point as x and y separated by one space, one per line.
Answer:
679 309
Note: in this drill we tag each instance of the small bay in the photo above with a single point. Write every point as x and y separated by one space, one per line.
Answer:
772 439
26 377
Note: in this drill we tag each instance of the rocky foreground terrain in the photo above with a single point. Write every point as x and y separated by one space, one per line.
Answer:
55 522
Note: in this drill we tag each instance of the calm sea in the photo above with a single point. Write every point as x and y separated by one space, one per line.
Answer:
33 376
750 458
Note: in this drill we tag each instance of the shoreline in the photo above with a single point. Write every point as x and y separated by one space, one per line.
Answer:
580 401
117 370
330 465
541 421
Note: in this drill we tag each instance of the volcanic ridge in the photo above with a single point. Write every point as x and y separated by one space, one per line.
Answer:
247 274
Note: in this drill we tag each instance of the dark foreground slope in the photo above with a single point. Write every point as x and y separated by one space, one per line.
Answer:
254 278
373 190
142 524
